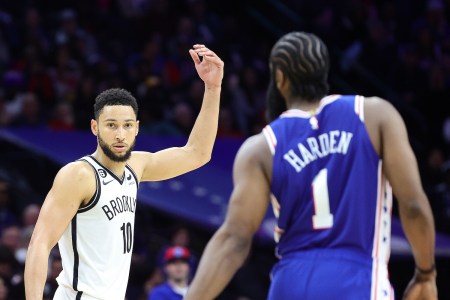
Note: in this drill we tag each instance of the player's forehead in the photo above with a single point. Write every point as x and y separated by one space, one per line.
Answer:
117 113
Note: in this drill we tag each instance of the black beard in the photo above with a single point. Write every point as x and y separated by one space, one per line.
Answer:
111 155
275 104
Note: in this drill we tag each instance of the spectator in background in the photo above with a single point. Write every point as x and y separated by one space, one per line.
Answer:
181 237
7 216
11 238
3 289
441 200
183 117
11 273
30 215
227 124
177 272
51 284
63 117
31 115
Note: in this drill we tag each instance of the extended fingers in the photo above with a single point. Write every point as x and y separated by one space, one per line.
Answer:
213 59
203 51
194 56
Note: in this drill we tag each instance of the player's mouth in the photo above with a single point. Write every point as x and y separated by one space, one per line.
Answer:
119 147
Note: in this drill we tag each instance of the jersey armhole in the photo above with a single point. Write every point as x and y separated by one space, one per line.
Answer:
132 173
271 139
359 107
94 199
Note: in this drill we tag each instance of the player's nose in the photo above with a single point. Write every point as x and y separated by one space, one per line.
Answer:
120 134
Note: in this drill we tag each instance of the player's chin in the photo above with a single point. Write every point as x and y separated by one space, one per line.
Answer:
122 157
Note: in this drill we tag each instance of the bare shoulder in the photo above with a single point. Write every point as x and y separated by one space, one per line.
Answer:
77 170
254 147
380 113
77 178
136 161
379 108
254 154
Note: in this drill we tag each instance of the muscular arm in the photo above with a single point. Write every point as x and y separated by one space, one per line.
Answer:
64 198
230 245
400 167
175 161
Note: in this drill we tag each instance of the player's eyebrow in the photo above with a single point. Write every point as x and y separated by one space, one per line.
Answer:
115 120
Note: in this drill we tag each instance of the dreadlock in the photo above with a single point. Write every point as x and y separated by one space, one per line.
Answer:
304 59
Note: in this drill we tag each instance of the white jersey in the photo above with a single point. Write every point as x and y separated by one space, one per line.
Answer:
96 247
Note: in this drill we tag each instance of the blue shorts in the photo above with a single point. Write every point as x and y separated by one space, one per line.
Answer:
329 274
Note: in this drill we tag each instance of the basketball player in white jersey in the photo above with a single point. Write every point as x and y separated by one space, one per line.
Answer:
90 208
327 162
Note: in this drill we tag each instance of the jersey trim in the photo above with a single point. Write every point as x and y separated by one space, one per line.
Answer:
270 138
359 107
93 201
76 258
381 240
298 113
132 173
79 294
109 172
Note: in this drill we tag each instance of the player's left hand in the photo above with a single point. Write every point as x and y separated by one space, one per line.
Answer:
210 68
421 287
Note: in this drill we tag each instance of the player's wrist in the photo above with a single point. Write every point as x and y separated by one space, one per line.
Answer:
213 87
425 274
426 271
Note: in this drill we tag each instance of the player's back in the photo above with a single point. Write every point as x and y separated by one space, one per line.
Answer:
333 204
328 181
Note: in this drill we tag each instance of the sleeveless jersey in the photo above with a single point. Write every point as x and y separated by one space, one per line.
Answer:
328 188
97 245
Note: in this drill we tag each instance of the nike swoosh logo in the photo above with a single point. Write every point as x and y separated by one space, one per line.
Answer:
106 182
129 177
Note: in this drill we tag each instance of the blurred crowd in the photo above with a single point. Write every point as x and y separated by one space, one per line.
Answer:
56 56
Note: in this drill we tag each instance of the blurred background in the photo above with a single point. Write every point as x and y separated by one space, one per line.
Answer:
56 56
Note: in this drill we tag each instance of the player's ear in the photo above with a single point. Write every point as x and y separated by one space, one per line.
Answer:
137 127
281 81
94 127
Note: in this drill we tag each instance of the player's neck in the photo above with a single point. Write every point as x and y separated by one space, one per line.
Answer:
115 167
305 106
302 104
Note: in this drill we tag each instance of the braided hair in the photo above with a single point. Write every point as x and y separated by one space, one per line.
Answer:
304 59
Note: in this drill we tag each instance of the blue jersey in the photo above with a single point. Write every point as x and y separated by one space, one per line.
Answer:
328 188
165 292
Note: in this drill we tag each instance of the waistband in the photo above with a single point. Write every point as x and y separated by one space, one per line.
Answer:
331 254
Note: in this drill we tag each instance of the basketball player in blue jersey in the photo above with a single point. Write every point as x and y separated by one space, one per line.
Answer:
91 206
327 163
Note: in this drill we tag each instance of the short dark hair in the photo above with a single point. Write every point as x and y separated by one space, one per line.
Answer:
303 58
114 96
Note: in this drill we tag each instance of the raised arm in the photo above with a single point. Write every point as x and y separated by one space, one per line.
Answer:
400 167
175 161
70 188
230 245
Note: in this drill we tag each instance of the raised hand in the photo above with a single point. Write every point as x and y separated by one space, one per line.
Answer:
210 68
